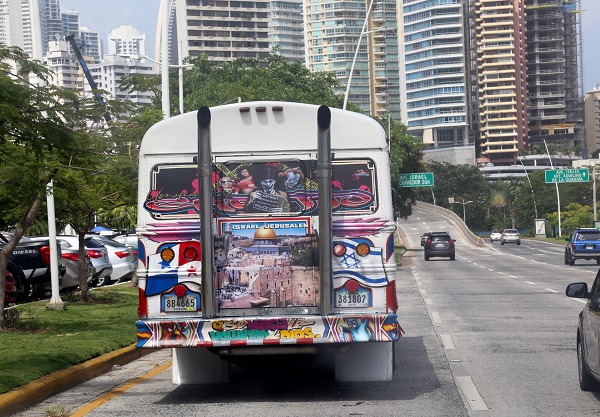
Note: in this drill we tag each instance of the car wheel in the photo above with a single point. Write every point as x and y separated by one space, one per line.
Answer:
452 257
566 259
502 242
102 281
518 242
426 257
491 240
571 261
586 381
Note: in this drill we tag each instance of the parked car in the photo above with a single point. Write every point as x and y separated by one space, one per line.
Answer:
583 243
510 236
121 256
439 244
98 254
424 237
129 240
588 333
32 256
71 260
495 236
10 291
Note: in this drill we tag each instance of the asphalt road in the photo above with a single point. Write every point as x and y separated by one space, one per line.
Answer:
489 334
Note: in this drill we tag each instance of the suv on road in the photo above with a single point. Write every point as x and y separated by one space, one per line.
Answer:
510 236
439 244
583 243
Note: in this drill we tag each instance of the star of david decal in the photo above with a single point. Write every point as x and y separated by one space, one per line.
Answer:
350 260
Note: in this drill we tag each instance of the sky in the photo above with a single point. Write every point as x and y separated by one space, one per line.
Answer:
104 15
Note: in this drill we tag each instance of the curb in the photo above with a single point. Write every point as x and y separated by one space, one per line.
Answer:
39 390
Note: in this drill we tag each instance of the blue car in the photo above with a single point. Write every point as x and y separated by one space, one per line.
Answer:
584 243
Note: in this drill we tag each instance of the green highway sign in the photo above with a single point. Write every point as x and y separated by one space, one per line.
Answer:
567 175
419 179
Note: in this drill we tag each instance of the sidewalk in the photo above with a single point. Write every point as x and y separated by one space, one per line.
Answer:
41 389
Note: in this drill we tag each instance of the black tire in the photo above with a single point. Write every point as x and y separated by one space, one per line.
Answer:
586 380
452 257
426 257
502 242
23 289
101 282
571 260
566 259
518 242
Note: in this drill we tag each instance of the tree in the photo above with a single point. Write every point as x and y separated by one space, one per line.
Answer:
35 136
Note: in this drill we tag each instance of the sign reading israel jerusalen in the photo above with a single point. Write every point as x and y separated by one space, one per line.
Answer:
420 179
567 175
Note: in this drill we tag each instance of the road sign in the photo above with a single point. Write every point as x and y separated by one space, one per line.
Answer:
419 179
567 175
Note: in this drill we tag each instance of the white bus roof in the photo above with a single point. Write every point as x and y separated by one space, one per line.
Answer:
262 126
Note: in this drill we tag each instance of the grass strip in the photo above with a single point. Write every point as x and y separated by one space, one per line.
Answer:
56 340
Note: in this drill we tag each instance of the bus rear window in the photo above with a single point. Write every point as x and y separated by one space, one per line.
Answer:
265 188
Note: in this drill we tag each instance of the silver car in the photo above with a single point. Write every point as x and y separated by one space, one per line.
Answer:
98 254
121 256
71 260
510 236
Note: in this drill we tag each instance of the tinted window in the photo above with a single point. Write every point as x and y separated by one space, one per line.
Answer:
589 235
91 243
440 237
109 242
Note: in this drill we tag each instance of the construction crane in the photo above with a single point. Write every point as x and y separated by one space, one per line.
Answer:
88 75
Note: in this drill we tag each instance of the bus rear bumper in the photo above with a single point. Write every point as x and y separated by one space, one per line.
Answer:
263 331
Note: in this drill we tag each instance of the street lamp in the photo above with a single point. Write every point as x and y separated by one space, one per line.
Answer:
464 203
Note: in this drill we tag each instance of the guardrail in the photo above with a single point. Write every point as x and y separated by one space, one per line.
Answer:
449 214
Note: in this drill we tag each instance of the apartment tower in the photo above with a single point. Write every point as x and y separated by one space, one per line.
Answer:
433 62
554 79
357 41
502 80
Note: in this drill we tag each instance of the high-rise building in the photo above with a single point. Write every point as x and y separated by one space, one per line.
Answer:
90 45
112 69
222 29
592 120
64 65
357 41
502 82
554 80
126 40
433 70
287 29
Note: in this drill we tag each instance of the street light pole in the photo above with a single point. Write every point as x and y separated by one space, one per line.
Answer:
165 59
464 210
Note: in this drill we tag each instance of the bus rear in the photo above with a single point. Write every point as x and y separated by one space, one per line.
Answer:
267 228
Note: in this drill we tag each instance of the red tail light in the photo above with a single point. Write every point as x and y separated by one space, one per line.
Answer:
122 254
71 256
94 253
45 251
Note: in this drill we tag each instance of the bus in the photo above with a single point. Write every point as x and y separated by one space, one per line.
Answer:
267 228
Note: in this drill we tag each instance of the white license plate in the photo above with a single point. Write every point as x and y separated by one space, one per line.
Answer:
589 246
439 245
352 299
185 303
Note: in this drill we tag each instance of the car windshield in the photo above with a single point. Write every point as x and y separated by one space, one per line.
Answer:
108 242
511 231
440 237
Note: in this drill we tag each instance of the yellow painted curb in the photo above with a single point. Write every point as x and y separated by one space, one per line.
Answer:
37 391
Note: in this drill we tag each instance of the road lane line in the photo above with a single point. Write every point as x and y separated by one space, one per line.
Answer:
428 301
529 282
109 395
435 317
554 291
447 341
465 383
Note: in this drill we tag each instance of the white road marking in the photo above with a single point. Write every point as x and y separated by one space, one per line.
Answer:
529 282
491 270
447 341
465 383
428 301
548 289
435 317
423 292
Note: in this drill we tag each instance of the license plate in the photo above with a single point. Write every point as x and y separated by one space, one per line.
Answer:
589 246
439 245
185 303
352 299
